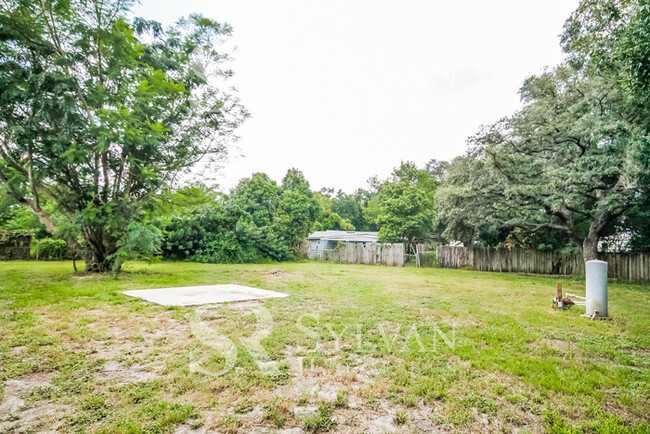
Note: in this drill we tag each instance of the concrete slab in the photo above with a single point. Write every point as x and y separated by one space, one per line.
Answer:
208 294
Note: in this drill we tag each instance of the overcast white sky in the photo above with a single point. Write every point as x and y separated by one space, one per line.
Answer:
344 90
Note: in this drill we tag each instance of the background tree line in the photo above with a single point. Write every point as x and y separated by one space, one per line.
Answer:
101 115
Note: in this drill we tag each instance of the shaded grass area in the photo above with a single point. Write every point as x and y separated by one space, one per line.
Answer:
353 347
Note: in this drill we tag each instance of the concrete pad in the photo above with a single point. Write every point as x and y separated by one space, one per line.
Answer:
208 294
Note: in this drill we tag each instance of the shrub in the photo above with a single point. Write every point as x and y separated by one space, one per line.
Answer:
259 222
50 249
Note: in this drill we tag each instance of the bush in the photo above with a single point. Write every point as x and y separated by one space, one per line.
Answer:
222 235
50 249
259 222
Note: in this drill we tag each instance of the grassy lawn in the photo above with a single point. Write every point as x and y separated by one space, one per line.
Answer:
353 349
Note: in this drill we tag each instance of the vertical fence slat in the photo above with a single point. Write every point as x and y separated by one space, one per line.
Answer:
370 253
628 266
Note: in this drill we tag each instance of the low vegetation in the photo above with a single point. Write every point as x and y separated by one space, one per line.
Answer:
354 347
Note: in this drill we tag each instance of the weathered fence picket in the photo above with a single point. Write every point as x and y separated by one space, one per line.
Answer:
366 253
628 266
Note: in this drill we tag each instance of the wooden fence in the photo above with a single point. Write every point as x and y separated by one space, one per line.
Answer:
628 266
368 253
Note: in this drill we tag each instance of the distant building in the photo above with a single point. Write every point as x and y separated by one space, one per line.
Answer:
322 241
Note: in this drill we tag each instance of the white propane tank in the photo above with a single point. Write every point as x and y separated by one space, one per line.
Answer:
596 287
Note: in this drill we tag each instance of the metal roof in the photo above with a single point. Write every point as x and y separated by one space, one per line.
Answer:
352 236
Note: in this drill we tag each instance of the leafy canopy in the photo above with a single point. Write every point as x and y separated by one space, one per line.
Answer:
403 205
575 160
99 113
260 221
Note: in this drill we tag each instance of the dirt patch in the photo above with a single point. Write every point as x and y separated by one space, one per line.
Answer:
367 408
17 390
275 275
642 353
136 352
116 372
17 350
133 346
16 415
456 321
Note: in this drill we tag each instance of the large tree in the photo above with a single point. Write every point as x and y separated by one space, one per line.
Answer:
575 158
403 205
612 37
297 209
98 112
469 202
327 218
350 207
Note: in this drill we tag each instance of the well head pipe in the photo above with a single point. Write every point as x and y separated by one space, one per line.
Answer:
596 273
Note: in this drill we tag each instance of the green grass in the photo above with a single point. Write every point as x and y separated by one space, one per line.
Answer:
321 420
444 349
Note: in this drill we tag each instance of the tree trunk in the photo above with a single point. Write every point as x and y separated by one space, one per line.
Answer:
590 248
98 252
414 248
98 263
44 218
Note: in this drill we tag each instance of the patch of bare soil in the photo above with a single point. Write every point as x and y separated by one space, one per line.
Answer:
134 347
559 344
137 349
275 275
131 347
17 416
367 409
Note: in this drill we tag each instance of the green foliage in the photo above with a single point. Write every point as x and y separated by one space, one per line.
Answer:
558 424
231 423
278 411
636 223
350 207
327 218
575 159
297 209
403 205
259 222
321 420
481 403
50 249
188 198
15 217
16 236
333 221
341 398
99 113
574 163
471 208
15 244
141 241
612 36
467 205
400 417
